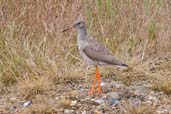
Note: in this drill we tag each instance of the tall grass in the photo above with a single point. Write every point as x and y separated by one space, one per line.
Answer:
32 45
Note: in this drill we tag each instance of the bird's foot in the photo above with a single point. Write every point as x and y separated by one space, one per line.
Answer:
93 91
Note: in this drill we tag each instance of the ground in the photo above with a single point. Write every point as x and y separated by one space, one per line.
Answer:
72 97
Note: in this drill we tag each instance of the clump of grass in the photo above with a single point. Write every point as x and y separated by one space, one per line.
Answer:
67 72
132 74
142 109
162 77
7 80
64 102
152 31
29 88
162 85
41 108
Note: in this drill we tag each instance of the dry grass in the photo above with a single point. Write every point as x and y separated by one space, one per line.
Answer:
40 109
143 109
162 85
29 88
64 102
162 80
35 55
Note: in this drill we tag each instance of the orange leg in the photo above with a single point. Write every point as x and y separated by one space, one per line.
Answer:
97 78
99 89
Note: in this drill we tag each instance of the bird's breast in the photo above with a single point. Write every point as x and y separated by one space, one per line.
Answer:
87 59
81 45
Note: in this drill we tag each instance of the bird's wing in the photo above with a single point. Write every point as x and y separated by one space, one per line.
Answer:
99 52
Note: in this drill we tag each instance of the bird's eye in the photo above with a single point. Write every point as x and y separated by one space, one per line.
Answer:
78 23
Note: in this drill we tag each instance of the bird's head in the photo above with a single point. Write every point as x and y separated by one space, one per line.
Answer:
79 24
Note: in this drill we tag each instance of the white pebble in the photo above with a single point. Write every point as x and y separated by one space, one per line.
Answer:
28 103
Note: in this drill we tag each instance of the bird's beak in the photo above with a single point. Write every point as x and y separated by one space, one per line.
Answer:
68 28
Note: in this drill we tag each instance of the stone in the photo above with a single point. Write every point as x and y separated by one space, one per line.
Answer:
73 103
99 101
66 111
113 95
28 103
114 102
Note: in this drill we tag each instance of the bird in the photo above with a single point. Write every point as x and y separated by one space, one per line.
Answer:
94 53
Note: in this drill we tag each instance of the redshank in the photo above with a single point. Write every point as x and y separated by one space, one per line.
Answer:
93 53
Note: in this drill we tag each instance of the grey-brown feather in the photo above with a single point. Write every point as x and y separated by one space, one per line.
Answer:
99 53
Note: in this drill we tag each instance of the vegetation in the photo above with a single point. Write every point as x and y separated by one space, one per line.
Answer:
35 56
142 109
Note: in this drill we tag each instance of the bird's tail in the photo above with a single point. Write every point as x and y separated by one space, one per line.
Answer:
124 66
118 63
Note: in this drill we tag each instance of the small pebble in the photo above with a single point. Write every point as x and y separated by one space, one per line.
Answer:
66 111
99 101
114 102
83 112
56 98
28 103
13 99
73 103
113 95
152 98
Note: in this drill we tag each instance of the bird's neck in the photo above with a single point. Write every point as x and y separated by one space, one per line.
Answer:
82 34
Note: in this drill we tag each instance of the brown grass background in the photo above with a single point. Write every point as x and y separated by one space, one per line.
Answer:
35 55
